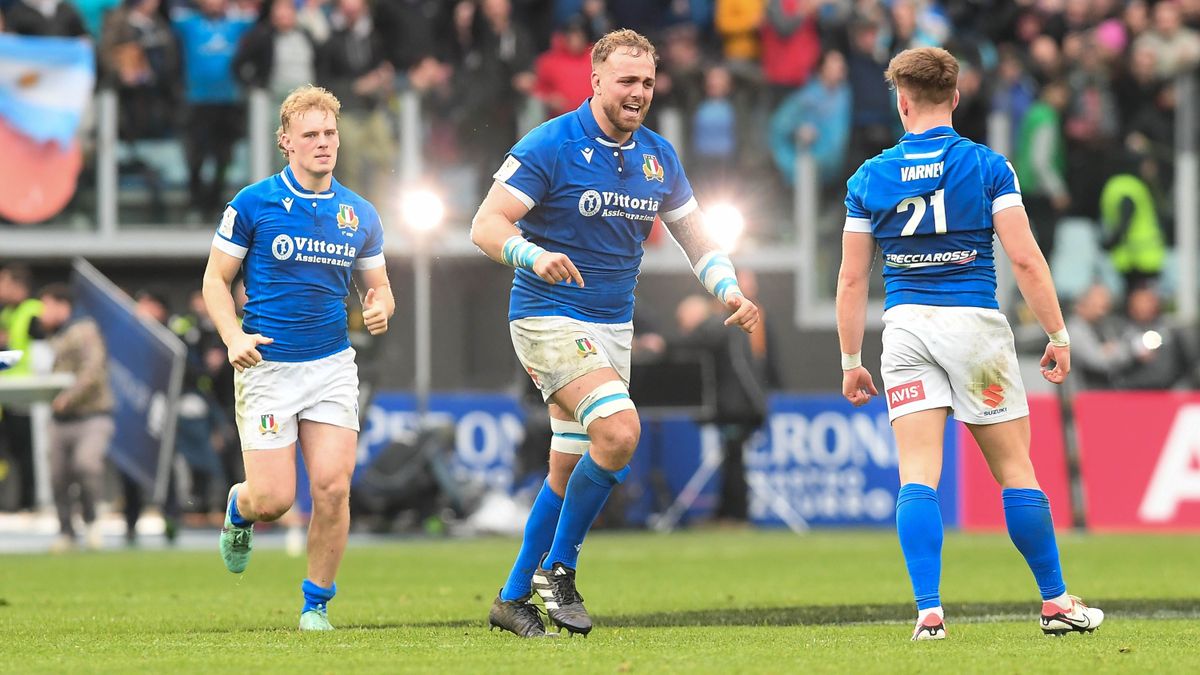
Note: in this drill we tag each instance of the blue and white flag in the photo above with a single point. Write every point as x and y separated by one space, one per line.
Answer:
45 85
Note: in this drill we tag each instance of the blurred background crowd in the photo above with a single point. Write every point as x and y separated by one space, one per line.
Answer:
1081 95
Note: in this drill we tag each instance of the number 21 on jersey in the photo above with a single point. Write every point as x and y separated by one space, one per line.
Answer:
917 204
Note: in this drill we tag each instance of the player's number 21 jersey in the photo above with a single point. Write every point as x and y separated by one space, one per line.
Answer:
928 201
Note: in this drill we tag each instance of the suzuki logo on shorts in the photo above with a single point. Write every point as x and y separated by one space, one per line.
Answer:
283 247
909 392
993 396
589 203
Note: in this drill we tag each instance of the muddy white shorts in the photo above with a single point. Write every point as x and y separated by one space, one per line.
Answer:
555 350
274 395
956 357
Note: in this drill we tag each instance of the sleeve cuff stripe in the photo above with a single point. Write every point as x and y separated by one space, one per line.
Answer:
525 199
1006 201
225 246
675 214
369 262
858 225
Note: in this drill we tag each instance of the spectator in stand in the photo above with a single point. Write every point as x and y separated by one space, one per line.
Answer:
714 134
94 13
564 74
1162 357
81 425
1014 92
492 77
208 39
971 114
47 18
791 46
816 117
1041 164
1133 233
648 17
1177 47
871 127
354 66
280 52
1091 124
19 312
139 56
738 23
1099 352
915 24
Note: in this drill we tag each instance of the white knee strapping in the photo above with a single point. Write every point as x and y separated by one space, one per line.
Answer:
569 437
607 399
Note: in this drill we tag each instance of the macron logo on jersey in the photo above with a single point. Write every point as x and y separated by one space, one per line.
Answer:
920 171
909 392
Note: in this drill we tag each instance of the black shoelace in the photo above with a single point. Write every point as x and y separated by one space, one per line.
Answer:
564 589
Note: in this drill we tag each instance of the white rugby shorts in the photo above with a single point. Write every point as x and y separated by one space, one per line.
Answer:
555 350
951 357
273 396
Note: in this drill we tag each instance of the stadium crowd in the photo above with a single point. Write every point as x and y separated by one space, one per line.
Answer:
1089 88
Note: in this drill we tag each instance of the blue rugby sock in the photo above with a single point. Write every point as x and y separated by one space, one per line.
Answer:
234 516
1027 514
316 597
919 524
539 535
587 490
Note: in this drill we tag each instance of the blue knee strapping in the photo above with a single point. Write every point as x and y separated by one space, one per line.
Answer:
919 526
1031 528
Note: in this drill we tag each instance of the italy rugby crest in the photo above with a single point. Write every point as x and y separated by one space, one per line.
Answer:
267 424
586 347
347 218
652 168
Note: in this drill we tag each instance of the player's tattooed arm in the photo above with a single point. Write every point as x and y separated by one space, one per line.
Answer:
691 235
713 268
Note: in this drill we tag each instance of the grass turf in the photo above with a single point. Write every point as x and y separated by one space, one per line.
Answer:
706 601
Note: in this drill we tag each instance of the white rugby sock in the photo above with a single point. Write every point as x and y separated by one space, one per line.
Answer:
926 612
1063 601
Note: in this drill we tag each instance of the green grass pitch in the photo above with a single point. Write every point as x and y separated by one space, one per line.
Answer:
703 601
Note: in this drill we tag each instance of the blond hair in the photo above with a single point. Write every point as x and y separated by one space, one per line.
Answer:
635 42
301 100
926 74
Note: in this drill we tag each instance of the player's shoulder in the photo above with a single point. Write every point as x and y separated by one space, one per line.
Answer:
648 139
248 198
344 195
556 132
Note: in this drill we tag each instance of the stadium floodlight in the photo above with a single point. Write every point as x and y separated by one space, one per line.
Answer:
422 210
725 224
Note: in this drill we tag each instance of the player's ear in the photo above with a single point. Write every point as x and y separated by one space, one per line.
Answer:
955 104
595 81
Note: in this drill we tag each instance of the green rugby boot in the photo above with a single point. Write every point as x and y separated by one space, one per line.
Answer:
236 542
315 619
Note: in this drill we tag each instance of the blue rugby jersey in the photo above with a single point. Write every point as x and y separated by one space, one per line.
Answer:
929 202
595 201
297 249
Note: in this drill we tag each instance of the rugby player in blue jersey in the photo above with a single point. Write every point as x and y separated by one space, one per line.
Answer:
932 203
298 236
569 210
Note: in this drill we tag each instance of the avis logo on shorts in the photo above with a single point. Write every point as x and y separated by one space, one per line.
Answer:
909 392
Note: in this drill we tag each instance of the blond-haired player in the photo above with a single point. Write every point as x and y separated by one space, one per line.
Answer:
299 237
